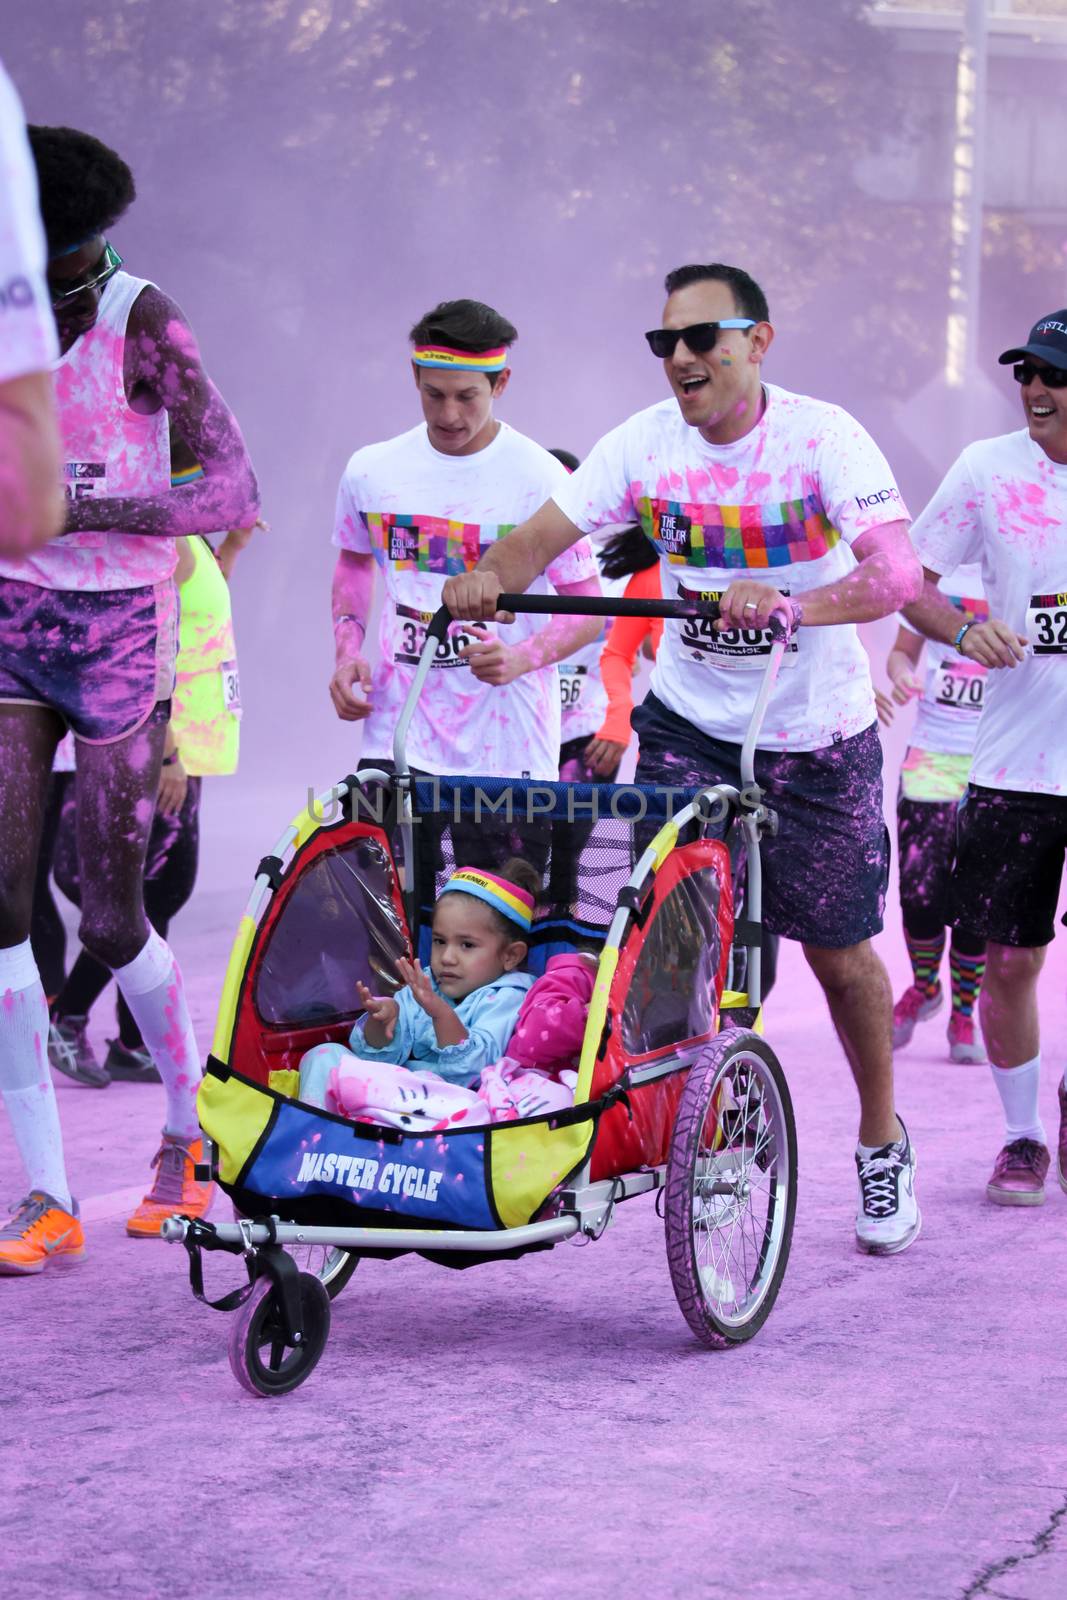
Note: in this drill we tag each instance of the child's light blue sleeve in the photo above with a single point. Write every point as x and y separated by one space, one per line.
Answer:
489 1015
401 1046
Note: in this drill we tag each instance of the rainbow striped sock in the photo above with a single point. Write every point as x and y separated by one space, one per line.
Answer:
925 956
966 975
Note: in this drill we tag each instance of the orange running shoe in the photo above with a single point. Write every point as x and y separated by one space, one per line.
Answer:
40 1231
175 1188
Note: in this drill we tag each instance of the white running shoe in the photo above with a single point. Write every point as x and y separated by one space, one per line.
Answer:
889 1218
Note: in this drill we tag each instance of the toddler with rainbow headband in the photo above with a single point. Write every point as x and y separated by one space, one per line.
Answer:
416 1058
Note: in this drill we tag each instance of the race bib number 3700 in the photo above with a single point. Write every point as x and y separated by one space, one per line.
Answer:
958 685
1046 623
730 647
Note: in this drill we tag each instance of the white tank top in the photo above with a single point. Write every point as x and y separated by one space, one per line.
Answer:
109 450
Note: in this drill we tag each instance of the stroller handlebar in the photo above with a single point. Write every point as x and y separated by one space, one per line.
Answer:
557 605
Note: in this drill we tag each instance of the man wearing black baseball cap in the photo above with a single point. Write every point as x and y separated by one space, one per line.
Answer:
1004 503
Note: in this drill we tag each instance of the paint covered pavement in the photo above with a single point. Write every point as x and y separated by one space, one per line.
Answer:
550 1425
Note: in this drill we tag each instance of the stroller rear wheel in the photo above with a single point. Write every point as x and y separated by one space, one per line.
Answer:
731 1189
260 1359
332 1267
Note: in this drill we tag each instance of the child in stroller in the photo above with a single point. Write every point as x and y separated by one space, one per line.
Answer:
433 1056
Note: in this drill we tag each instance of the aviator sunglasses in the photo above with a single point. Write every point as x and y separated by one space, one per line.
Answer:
102 273
699 337
1051 377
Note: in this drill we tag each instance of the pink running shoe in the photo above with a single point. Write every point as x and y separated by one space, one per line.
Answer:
963 1042
1061 1160
1019 1175
912 1007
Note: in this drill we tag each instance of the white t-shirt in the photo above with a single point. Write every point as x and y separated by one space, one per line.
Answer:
424 517
946 720
782 505
28 341
1004 504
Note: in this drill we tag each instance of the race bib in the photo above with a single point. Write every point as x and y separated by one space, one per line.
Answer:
82 479
1046 624
958 685
732 647
572 681
412 625
231 687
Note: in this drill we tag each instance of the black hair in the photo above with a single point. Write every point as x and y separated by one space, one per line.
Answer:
465 325
84 186
749 298
566 458
627 552
524 876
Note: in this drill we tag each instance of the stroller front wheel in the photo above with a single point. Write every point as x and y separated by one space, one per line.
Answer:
260 1359
731 1189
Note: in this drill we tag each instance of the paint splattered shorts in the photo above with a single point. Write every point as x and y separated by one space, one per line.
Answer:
826 871
101 658
1009 862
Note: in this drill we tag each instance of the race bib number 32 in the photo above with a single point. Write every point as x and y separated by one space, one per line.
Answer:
730 647
1046 623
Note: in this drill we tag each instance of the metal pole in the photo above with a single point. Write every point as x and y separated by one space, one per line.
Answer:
968 193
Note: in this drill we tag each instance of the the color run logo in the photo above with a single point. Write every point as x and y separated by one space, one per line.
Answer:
364 1172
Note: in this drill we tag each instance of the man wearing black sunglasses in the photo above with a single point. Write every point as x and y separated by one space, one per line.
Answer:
767 501
1004 503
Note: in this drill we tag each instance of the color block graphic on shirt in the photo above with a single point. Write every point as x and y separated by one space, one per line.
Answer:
430 544
772 535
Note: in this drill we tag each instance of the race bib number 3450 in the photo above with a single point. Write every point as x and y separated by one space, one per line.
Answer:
1046 623
730 647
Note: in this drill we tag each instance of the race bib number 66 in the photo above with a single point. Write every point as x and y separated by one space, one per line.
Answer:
729 647
1046 624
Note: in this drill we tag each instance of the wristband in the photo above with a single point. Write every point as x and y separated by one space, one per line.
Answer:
958 640
172 759
350 616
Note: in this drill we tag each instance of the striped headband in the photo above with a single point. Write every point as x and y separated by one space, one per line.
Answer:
512 902
442 355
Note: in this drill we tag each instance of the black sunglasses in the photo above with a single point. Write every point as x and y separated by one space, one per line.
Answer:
700 337
1051 377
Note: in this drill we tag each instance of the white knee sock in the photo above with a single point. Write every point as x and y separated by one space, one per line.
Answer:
25 1078
152 988
1018 1089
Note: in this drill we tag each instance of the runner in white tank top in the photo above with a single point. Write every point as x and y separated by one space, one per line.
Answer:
87 629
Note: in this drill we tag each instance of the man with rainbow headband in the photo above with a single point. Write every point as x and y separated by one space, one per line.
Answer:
423 507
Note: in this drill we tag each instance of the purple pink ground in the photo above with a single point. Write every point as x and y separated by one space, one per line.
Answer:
550 1426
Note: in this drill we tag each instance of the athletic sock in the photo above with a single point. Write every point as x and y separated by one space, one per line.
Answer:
25 1079
966 973
1018 1089
152 988
925 956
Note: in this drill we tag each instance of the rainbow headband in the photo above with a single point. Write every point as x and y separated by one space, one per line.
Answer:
442 355
514 903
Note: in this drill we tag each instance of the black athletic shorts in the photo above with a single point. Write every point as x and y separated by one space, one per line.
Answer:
1009 863
826 871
